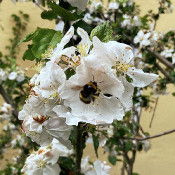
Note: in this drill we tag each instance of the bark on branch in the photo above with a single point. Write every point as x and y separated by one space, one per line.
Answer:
149 137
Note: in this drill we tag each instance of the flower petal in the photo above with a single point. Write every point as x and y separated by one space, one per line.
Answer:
141 79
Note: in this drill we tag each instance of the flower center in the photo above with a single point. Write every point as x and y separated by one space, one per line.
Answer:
122 68
82 48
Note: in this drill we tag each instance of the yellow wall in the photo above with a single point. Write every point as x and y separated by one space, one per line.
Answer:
160 159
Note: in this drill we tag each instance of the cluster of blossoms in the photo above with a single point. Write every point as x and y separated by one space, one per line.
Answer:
44 161
130 22
6 111
17 75
92 83
98 168
147 38
169 53
5 116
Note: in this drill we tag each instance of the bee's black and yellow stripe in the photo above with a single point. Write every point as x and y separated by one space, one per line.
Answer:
89 89
93 85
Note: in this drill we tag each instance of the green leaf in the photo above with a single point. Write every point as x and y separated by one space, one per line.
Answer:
56 11
173 93
112 159
27 38
43 39
96 143
28 55
103 32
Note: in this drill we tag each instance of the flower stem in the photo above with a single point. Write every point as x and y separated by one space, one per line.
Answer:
78 149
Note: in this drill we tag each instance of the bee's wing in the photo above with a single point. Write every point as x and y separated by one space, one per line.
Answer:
77 87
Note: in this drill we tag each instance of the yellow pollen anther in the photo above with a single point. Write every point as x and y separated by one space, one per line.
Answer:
82 48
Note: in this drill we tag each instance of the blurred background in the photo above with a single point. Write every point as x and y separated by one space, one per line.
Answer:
160 159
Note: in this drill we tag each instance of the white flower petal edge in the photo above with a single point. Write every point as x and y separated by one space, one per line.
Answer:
141 79
63 42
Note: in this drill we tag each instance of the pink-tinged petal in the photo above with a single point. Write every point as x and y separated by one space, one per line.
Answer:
141 79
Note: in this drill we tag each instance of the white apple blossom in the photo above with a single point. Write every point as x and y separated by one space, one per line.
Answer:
94 5
169 7
167 52
71 56
43 128
12 76
3 75
130 22
119 59
6 108
9 126
19 140
126 21
88 18
113 6
85 165
173 58
50 78
44 161
20 77
142 39
105 107
99 168
154 38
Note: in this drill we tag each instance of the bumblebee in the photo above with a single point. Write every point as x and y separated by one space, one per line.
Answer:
89 92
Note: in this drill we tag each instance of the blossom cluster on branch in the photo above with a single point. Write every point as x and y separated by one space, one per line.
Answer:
91 74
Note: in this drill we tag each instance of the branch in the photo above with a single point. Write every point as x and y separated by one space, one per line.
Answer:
39 6
164 73
78 149
154 112
150 137
9 101
160 58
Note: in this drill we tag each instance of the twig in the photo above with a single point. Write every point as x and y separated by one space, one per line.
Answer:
154 112
149 137
164 72
9 101
39 6
160 58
